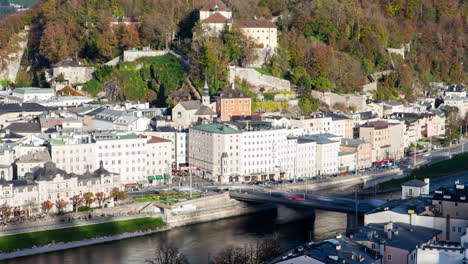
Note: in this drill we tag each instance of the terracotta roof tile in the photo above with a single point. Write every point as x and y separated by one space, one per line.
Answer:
216 18
154 140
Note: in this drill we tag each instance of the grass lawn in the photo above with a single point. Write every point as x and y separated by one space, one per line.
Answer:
457 164
263 71
42 238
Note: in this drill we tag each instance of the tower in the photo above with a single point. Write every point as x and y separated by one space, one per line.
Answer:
206 95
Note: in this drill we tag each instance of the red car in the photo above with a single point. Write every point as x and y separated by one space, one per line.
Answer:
296 198
343 174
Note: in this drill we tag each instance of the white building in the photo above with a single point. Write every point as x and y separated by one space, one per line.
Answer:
459 102
328 147
159 159
53 184
414 188
72 71
435 253
32 94
179 143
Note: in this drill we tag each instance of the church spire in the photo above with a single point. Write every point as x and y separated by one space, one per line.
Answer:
206 89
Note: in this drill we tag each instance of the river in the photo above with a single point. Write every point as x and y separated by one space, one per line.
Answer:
200 241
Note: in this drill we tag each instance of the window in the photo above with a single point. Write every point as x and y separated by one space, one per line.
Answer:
389 257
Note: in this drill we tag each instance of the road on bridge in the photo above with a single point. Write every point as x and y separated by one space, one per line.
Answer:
303 200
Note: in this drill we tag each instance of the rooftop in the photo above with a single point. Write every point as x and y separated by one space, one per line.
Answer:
33 90
232 92
397 235
216 18
414 183
69 63
218 128
23 128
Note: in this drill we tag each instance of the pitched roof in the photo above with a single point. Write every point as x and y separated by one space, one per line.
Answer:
232 92
215 5
69 63
253 23
403 236
24 128
190 105
37 157
204 110
216 18
414 183
23 107
154 140
377 124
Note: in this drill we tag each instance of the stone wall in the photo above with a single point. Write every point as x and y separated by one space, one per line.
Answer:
129 55
10 66
252 76
358 102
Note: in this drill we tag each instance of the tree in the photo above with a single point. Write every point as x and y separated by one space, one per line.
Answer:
89 198
46 206
453 122
6 212
115 193
262 251
123 195
101 198
77 201
61 205
168 254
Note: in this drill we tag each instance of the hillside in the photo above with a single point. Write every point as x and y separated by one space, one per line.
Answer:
324 44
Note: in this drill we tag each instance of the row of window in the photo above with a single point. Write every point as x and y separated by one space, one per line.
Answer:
226 102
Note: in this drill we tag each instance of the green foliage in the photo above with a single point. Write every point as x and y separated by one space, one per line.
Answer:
309 104
42 238
269 96
321 84
5 83
84 208
154 78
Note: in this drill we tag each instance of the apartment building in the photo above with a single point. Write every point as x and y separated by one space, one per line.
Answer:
159 159
362 148
233 102
179 143
386 139
328 146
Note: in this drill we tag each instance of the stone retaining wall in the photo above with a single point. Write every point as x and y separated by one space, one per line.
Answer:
255 78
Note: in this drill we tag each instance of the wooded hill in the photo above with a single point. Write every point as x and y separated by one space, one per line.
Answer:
324 44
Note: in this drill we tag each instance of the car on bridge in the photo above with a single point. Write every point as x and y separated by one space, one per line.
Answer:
296 198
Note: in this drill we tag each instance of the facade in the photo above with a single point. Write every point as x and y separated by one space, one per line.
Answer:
452 202
414 188
262 32
385 138
459 102
328 147
435 253
32 94
31 162
363 150
179 143
159 159
226 153
52 184
72 71
232 102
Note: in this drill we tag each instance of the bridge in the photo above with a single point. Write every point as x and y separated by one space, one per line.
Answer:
302 200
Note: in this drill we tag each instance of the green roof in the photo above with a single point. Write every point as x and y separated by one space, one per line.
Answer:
56 142
218 129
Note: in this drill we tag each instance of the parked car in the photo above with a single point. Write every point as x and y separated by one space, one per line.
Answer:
343 174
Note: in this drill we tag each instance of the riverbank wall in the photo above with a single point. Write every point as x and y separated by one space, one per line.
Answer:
205 209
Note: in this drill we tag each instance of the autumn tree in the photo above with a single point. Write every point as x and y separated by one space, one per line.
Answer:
89 198
114 193
123 195
6 212
77 201
101 198
46 206
61 205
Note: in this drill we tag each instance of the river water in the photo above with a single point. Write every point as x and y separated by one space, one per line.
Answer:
201 241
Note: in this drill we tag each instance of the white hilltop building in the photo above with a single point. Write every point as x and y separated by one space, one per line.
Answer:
216 16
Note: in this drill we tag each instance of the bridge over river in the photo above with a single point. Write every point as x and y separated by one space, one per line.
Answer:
307 201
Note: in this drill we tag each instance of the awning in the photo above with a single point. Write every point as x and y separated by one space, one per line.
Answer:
131 185
159 177
167 176
151 178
